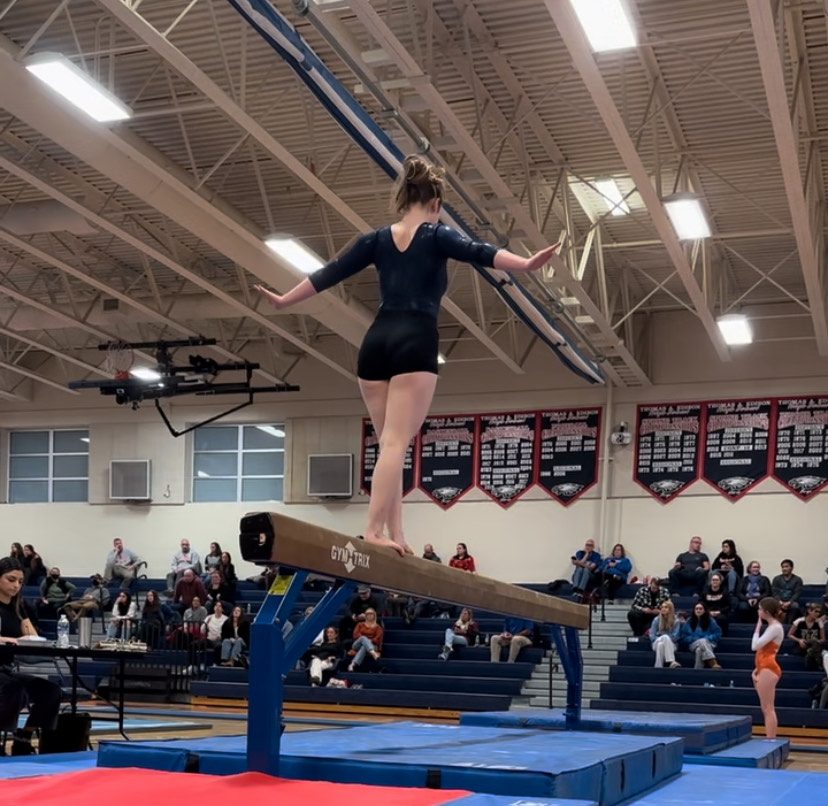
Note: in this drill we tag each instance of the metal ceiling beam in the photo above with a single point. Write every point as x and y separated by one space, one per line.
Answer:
139 27
39 345
579 50
27 373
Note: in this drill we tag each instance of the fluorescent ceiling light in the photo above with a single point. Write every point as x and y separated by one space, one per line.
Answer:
735 329
613 197
295 253
85 439
77 87
605 23
441 359
203 475
569 301
145 374
269 429
688 217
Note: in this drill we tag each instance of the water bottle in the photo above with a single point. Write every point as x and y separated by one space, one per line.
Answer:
63 632
731 684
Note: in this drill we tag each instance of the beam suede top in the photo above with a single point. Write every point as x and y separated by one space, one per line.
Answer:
412 280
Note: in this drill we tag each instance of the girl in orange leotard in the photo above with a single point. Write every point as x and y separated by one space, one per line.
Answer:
766 674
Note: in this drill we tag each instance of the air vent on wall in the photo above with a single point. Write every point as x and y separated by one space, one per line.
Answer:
330 475
129 479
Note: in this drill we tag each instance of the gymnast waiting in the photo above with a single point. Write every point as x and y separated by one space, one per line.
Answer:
397 363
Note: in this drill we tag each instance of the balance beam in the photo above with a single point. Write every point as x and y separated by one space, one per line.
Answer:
268 537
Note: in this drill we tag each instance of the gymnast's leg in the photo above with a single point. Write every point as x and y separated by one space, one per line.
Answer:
375 395
765 682
409 398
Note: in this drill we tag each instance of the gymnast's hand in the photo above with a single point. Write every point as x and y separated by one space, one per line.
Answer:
276 300
543 257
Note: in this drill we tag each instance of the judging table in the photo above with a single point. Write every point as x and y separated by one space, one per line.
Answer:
71 655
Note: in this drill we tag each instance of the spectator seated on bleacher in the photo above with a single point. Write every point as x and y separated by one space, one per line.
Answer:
585 562
700 634
430 555
92 603
235 639
123 618
396 604
122 563
55 592
613 572
228 570
212 561
364 600
187 559
755 587
34 569
463 632
689 573
807 634
191 627
462 559
787 588
717 601
212 626
665 632
219 591
729 564
647 604
517 634
324 657
154 621
368 636
188 587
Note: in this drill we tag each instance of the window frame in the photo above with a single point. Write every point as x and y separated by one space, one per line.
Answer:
50 478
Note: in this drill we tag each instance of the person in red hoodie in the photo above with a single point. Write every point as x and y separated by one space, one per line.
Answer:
462 559
368 637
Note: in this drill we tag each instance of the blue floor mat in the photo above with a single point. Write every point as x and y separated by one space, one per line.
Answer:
763 754
137 725
28 766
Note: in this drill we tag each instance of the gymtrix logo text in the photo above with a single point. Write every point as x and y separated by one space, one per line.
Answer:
350 557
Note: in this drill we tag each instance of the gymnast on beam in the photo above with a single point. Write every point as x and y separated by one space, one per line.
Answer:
397 364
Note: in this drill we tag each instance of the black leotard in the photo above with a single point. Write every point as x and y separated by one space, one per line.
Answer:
413 280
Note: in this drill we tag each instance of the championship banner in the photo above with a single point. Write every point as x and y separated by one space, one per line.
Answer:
446 458
568 461
800 456
505 455
667 448
368 460
736 445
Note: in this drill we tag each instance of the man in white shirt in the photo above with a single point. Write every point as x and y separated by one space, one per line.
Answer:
121 562
183 560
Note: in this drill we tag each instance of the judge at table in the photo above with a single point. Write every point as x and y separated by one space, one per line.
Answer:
18 690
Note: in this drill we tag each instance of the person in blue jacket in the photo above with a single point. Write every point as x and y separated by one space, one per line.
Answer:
700 634
614 570
397 362
585 562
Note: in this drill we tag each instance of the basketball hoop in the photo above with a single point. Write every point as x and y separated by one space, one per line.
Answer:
119 359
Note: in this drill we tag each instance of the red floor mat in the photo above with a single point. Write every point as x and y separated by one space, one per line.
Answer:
136 787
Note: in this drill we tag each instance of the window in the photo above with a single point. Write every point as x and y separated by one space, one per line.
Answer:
48 466
239 463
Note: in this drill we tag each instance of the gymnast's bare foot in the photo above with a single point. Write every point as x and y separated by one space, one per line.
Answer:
380 540
405 547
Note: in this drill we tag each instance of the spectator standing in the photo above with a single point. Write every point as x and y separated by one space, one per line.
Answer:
429 554
121 562
717 601
187 559
464 632
324 657
123 618
647 604
34 569
186 588
665 632
95 598
786 589
614 570
755 587
462 559
517 634
700 634
729 564
55 592
691 567
368 636
585 562
235 638
808 635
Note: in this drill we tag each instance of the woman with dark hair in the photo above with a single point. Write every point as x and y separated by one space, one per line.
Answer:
153 621
235 638
16 690
211 562
16 552
717 601
123 617
700 634
729 564
767 673
397 364
227 569
324 657
462 559
614 571
34 568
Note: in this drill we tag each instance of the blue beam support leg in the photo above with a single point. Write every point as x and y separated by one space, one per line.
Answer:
568 645
265 698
